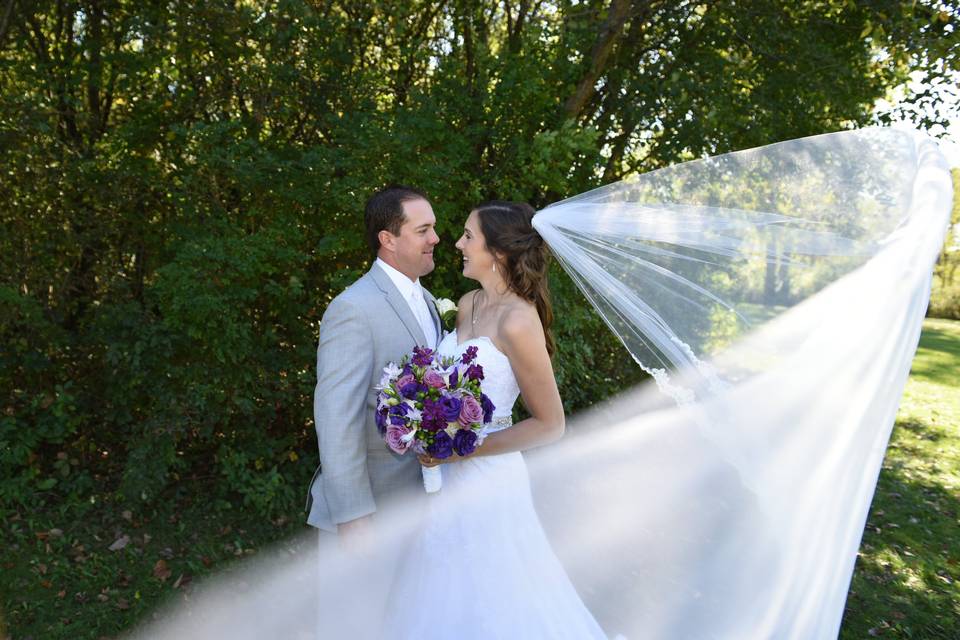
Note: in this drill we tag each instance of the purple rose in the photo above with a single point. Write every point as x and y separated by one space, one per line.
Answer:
475 372
470 411
404 380
465 442
395 441
451 408
433 379
422 356
469 355
487 407
442 446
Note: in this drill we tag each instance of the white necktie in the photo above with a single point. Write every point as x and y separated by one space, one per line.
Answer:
419 306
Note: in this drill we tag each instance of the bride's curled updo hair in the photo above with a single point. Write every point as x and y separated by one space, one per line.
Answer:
521 254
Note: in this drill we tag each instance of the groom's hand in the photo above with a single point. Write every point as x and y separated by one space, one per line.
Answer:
356 536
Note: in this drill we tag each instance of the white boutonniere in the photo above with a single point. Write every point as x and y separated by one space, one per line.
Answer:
447 311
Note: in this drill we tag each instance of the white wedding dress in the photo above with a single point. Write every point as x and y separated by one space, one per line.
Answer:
482 568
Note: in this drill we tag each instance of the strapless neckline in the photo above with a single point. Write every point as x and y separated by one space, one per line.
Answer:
456 340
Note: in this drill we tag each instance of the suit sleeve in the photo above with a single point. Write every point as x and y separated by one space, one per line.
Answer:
344 367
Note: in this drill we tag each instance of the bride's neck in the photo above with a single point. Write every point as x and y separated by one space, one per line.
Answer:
495 290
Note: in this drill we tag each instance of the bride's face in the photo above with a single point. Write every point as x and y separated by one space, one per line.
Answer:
477 259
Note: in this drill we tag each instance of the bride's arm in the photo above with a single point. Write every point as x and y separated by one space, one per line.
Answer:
522 341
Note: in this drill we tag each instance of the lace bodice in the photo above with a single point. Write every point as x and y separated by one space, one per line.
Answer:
499 383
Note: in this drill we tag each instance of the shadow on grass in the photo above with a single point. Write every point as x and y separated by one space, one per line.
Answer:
921 431
905 583
937 357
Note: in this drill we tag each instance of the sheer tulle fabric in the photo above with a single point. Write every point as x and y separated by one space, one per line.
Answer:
776 296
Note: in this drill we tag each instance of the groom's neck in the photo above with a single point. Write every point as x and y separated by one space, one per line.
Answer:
389 261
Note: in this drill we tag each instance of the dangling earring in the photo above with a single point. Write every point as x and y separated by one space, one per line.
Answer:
494 267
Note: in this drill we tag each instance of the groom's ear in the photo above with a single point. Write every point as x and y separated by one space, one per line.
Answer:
387 240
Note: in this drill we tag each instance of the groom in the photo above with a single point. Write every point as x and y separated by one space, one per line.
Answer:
376 320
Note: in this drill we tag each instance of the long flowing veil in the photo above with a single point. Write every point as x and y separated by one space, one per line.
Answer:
775 296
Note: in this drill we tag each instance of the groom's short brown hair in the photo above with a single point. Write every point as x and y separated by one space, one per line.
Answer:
384 211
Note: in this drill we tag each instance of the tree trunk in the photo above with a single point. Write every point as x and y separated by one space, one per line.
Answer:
610 32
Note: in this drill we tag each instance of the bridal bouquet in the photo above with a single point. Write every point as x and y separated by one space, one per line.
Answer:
433 405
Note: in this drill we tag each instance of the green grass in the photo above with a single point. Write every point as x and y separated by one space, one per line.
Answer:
61 580
905 584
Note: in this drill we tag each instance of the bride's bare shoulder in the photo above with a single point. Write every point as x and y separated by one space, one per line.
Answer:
465 305
520 322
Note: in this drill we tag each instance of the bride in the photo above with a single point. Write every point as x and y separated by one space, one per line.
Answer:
482 558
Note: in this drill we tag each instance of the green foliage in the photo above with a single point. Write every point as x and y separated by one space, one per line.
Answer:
183 188
945 295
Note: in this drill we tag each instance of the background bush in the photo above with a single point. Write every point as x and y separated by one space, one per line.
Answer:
183 185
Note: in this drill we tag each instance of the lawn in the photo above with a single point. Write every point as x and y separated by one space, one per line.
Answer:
905 584
91 570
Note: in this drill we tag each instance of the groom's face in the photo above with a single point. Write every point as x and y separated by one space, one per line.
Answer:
412 250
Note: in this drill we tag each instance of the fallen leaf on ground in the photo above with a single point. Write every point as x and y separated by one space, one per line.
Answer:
161 570
120 543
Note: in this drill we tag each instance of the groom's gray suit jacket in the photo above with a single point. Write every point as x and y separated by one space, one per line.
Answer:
364 328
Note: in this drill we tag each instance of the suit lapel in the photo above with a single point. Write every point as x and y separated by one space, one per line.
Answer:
399 305
434 314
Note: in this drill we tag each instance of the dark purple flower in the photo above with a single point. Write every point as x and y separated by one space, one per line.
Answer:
401 409
487 407
465 442
412 389
454 378
381 417
475 372
422 356
450 406
469 355
442 446
432 417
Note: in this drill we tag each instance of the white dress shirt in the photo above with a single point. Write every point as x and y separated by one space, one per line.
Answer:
412 292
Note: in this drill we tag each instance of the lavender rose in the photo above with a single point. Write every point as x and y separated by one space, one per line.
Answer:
433 379
404 380
470 411
465 442
395 436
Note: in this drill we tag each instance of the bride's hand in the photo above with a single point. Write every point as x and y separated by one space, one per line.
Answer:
429 461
